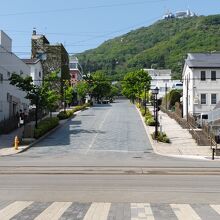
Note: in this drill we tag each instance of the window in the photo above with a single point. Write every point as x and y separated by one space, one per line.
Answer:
40 74
9 74
1 78
213 75
21 72
203 99
203 76
213 99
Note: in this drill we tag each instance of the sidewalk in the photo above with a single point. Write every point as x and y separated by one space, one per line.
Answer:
7 140
182 143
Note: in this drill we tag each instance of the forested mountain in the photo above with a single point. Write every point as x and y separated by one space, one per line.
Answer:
164 44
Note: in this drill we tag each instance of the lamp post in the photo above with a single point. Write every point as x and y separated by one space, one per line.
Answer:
145 107
155 93
64 98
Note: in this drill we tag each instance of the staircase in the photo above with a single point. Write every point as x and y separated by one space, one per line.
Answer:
203 138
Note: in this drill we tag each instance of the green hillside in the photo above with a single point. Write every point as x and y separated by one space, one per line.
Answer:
161 45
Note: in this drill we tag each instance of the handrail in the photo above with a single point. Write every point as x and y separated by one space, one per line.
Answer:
193 132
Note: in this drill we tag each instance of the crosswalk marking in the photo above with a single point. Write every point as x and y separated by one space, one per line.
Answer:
98 211
184 211
13 209
54 211
141 211
29 210
216 208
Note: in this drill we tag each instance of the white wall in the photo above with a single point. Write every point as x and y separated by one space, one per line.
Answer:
198 87
161 79
5 41
11 98
36 73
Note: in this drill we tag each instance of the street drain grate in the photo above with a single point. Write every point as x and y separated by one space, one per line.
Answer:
137 157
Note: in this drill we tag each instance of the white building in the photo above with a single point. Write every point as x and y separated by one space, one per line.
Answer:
11 98
162 80
76 72
179 14
201 83
36 70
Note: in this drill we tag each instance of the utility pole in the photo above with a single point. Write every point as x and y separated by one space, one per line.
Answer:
166 95
156 127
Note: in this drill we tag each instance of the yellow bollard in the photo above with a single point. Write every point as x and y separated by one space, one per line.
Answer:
16 143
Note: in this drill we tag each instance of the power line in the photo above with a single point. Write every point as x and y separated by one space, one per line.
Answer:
111 80
83 8
106 34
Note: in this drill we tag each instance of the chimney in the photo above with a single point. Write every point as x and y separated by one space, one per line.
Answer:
34 31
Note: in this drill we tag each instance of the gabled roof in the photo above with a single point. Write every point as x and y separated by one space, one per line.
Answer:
31 61
210 60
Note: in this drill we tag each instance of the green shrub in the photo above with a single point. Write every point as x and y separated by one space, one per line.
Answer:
138 105
150 121
148 115
45 125
65 114
162 137
143 111
81 107
78 108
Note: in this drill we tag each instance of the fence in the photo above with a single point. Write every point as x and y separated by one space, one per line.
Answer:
183 123
10 124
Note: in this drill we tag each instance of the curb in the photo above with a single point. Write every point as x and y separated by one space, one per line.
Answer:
45 135
168 155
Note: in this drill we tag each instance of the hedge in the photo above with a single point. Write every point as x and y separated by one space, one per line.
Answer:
65 114
68 113
45 125
81 107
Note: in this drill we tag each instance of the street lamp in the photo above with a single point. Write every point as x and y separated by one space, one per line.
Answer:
155 93
145 100
64 97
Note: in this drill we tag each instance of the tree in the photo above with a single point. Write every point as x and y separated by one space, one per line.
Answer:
43 97
135 83
49 95
100 85
33 92
172 97
113 92
82 89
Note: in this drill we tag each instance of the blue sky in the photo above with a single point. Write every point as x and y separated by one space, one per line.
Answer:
85 24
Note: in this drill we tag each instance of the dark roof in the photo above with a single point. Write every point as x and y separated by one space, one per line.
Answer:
203 60
30 61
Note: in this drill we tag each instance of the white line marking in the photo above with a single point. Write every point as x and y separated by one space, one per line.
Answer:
54 211
216 208
98 211
184 211
99 128
13 209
